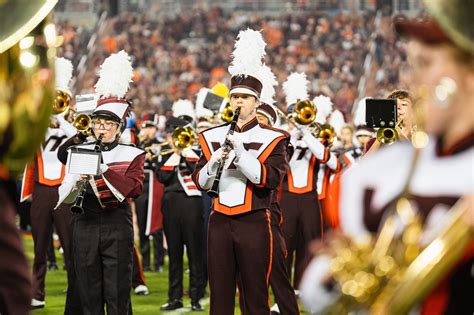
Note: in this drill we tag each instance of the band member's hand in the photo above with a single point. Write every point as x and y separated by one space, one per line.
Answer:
213 163
237 145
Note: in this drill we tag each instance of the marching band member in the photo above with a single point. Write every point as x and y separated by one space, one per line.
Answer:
148 205
280 283
103 233
299 201
206 114
240 237
405 124
41 181
182 212
436 171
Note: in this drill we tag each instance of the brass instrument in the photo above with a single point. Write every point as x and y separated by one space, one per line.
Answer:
181 138
387 135
27 47
325 132
61 102
82 122
304 112
227 114
430 266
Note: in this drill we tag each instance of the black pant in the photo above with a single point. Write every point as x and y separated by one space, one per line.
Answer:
207 203
42 218
141 204
103 251
240 246
280 277
182 221
302 223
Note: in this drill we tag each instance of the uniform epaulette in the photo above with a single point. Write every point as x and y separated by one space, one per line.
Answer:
221 125
132 145
284 132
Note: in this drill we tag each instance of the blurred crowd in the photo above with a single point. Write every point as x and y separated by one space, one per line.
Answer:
175 56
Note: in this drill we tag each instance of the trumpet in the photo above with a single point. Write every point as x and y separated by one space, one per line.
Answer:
227 114
324 131
61 102
82 122
304 112
387 135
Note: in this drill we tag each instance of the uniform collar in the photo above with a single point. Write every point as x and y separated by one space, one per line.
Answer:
108 146
462 145
248 125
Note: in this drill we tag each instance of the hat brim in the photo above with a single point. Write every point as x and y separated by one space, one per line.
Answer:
426 30
242 90
106 115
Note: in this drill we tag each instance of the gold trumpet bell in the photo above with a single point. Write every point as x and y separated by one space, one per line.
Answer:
61 102
227 114
82 122
304 112
183 137
387 135
327 133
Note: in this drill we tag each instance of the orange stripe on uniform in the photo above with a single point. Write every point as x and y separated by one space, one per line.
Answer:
245 207
205 149
42 179
309 186
267 213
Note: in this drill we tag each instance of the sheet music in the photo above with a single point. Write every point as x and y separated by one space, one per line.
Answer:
84 163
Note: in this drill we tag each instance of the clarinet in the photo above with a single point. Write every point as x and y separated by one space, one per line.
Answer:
213 192
77 207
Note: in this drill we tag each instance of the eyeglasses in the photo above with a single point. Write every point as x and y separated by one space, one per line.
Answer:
106 124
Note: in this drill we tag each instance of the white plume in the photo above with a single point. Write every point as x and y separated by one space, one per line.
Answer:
63 72
268 81
248 53
337 121
115 75
359 115
296 88
324 106
201 111
183 107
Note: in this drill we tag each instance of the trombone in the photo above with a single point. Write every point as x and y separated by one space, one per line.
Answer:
181 138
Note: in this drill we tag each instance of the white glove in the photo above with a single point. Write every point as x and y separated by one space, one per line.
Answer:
304 131
213 162
237 145
68 129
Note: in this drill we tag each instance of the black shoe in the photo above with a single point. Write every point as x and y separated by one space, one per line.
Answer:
196 306
172 305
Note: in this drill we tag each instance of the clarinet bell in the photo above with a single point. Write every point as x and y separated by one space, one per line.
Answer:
77 207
